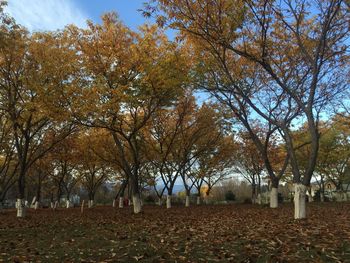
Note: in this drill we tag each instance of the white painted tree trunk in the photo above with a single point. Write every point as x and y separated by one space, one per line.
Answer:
253 200
16 204
52 205
299 201
198 200
26 203
274 197
21 208
322 197
67 204
310 198
137 204
113 204
56 205
345 197
168 201
90 203
337 197
33 202
187 202
129 202
160 201
141 201
259 199
82 206
36 206
121 202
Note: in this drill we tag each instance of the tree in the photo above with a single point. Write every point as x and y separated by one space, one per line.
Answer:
297 48
162 138
215 164
35 70
126 77
249 165
64 177
8 163
334 154
93 170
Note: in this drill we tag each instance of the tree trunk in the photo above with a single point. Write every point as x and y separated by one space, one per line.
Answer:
299 201
253 192
310 198
67 203
274 197
90 203
82 206
198 200
259 199
121 202
137 203
113 204
345 197
33 202
322 196
21 209
187 202
56 205
160 201
168 201
36 205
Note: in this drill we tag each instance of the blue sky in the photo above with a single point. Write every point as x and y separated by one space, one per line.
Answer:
39 15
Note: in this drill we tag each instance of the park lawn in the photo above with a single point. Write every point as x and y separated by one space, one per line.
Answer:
221 233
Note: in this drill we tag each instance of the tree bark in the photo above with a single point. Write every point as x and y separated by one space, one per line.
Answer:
168 201
310 197
259 199
198 200
299 201
274 197
322 196
82 206
21 209
33 202
121 202
136 203
187 202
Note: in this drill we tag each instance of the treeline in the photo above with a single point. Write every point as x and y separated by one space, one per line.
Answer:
105 103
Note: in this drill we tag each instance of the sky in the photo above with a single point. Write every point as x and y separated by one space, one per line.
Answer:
38 15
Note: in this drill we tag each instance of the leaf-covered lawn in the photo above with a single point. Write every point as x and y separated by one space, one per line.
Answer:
227 233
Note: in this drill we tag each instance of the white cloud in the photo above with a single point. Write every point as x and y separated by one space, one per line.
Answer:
37 15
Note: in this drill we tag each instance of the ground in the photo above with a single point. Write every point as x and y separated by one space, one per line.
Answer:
222 233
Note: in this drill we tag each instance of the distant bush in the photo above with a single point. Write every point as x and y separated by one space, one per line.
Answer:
317 196
150 199
230 196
